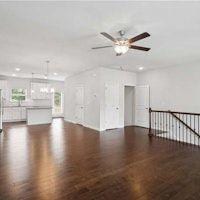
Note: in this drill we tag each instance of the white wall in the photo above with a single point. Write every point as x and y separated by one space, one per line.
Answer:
174 88
91 82
94 95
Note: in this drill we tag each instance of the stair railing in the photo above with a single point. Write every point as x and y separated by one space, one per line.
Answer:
179 126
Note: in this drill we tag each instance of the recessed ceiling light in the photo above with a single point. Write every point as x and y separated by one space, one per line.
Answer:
55 73
17 69
141 68
13 74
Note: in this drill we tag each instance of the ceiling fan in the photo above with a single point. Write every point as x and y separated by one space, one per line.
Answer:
122 44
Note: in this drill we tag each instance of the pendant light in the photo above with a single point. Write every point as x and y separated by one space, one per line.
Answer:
47 89
32 90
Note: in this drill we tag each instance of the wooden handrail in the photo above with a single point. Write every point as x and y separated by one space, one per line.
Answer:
175 112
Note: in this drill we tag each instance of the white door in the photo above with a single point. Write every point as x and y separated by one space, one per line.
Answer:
79 105
142 106
111 106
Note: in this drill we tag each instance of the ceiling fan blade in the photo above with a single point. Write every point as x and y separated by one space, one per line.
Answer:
101 47
139 37
139 48
118 54
108 36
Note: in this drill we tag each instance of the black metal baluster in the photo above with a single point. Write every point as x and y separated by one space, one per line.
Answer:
184 129
150 119
159 124
198 129
190 131
179 128
187 130
174 134
155 123
164 124
172 127
154 127
176 127
169 124
187 134
194 130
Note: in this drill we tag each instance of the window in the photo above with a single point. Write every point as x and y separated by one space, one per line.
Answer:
57 103
18 94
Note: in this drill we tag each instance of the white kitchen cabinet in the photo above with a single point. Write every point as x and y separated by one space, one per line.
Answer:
7 114
16 113
4 87
23 113
12 114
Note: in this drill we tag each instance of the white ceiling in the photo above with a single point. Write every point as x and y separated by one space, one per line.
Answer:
64 32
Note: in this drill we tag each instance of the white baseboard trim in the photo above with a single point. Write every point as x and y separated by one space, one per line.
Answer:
68 120
91 127
85 125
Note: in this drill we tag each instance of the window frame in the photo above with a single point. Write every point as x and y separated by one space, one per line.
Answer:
19 95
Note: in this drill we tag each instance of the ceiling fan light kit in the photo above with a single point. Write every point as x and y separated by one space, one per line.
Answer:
121 49
122 45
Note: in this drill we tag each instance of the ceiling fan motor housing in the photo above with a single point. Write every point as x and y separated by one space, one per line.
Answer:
122 33
122 42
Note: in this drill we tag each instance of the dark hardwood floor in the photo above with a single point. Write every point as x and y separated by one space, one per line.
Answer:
67 161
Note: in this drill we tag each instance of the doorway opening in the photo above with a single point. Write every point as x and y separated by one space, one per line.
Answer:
136 106
129 106
58 104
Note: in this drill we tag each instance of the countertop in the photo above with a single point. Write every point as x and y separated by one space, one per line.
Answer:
39 107
29 107
15 106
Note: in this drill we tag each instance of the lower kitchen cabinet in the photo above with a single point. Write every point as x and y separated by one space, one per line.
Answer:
11 114
7 114
23 114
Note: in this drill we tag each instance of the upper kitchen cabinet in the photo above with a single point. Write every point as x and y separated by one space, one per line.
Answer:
4 87
38 91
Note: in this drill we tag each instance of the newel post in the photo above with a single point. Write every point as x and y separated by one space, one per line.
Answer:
150 121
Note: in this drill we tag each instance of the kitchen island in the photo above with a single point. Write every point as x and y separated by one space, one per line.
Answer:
39 115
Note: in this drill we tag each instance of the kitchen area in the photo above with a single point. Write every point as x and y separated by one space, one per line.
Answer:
33 101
